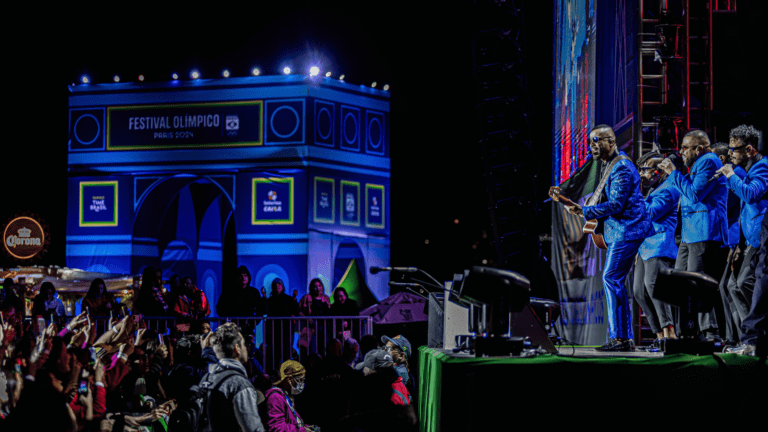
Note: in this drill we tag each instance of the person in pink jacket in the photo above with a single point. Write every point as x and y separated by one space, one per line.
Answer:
281 407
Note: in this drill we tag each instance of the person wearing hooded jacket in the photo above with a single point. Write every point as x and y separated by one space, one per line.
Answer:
280 304
280 331
241 299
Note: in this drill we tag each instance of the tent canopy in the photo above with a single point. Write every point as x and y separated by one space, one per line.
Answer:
397 308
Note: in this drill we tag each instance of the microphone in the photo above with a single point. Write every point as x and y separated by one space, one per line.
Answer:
375 269
716 176
404 284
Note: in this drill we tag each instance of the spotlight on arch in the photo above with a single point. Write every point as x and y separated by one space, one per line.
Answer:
328 74
225 73
373 84
175 76
255 71
341 77
286 70
386 87
195 74
314 71
141 77
84 79
116 78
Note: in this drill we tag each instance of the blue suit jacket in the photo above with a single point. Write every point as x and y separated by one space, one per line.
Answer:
703 205
625 208
752 191
661 205
733 209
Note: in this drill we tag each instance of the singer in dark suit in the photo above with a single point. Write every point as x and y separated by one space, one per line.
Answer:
752 190
626 226
703 209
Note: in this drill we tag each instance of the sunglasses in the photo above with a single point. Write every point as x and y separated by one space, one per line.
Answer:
596 139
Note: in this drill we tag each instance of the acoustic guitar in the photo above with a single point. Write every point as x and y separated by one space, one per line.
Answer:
590 227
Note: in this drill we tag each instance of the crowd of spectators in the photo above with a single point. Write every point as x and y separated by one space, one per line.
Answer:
131 378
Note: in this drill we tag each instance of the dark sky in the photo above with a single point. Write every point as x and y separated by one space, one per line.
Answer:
423 51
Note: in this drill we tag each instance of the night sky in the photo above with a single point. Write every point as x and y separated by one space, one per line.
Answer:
423 52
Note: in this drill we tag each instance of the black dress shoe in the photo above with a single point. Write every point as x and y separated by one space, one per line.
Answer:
616 345
709 337
655 346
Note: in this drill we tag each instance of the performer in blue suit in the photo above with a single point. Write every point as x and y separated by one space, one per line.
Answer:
732 319
626 226
703 208
753 192
659 248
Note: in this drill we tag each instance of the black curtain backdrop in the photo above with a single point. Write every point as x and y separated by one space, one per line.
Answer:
578 265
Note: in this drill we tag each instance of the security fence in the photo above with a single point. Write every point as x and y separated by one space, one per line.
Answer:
275 339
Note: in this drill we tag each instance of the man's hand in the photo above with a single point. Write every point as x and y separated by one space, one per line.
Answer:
77 321
736 258
726 170
87 401
127 348
554 191
206 341
140 336
667 166
3 328
51 330
80 337
126 327
162 351
575 210
98 371
160 412
135 421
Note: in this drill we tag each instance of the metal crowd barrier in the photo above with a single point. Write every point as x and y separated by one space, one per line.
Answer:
278 339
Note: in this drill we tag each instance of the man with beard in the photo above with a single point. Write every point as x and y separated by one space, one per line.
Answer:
752 191
658 250
703 208
732 320
626 226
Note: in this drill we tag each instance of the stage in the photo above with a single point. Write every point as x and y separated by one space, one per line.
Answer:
460 392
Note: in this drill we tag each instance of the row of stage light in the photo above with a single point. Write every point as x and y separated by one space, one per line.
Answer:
195 74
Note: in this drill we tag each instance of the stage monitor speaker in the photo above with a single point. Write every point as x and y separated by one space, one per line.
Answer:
436 319
527 324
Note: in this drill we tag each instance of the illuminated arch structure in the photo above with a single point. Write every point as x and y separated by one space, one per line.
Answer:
288 175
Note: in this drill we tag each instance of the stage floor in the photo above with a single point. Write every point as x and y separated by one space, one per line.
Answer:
460 392
570 351
587 352
578 352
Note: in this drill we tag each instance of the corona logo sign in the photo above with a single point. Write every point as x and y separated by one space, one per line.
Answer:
24 237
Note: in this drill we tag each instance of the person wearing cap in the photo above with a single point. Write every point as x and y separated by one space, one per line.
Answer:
400 349
281 406
381 395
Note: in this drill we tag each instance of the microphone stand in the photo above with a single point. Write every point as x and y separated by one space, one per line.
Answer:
435 280
429 284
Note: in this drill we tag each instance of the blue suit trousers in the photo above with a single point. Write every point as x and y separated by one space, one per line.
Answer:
618 263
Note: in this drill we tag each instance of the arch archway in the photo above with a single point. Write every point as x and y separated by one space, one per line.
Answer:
183 218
